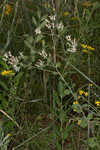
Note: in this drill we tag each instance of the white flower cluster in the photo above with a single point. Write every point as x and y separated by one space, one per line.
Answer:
45 60
13 61
43 54
50 24
52 18
72 44
40 62
60 26
38 30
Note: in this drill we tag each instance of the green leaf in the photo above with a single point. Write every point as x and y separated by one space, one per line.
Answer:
58 64
4 86
83 123
67 92
92 142
18 77
34 20
4 102
39 14
44 17
42 24
96 5
90 116
66 132
28 44
57 98
58 146
57 131
62 32
2 97
62 116
39 38
30 39
4 65
61 89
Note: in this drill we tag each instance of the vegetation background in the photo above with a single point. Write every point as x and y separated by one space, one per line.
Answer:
49 74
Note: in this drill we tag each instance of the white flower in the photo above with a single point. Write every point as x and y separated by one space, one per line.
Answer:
21 55
53 18
6 55
72 49
68 37
53 25
72 44
37 30
9 53
16 68
5 59
60 26
15 62
48 26
47 21
43 54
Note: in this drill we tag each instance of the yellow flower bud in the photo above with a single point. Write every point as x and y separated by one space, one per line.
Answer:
66 13
81 92
86 94
79 122
75 102
79 97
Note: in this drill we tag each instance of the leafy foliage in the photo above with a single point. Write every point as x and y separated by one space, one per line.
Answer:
49 74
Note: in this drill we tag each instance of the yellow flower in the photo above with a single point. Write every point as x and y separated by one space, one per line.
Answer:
90 84
75 110
75 102
79 122
97 103
7 9
8 134
87 4
83 46
66 13
74 18
81 92
86 94
90 48
87 47
79 97
7 72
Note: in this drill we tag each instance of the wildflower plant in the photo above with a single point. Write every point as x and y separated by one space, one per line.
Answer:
7 9
15 62
44 69
72 44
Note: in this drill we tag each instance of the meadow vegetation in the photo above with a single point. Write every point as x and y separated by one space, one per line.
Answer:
49 74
